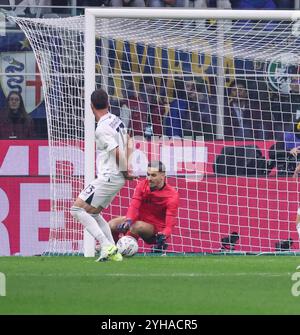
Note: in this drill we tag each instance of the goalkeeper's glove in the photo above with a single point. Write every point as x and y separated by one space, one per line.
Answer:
161 244
123 227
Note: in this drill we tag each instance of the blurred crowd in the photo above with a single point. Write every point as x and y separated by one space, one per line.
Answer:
250 111
41 7
234 4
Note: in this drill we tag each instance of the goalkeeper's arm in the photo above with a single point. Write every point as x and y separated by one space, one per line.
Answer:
171 216
162 236
171 220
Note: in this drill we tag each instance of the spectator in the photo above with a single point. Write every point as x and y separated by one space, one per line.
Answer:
59 8
127 3
292 140
28 8
143 111
177 121
260 96
197 3
285 4
197 103
133 111
295 97
206 105
253 4
249 110
90 3
15 123
285 109
284 154
155 107
165 3
224 4
113 3
261 110
188 114
242 120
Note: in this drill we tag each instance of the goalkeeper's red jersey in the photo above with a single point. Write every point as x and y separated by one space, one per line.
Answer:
157 207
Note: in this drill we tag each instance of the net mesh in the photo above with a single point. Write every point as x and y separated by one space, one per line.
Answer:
213 99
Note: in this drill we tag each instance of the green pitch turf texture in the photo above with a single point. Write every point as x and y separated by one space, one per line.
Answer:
148 285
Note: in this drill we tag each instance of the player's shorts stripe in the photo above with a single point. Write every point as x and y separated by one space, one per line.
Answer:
90 199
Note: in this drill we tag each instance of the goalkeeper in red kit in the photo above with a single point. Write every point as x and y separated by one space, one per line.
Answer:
152 213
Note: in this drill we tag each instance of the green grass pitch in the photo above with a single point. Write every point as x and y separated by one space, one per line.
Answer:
199 285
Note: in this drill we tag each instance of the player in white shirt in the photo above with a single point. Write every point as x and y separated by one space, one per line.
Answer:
112 145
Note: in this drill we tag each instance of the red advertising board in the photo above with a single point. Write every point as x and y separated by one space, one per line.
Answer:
263 210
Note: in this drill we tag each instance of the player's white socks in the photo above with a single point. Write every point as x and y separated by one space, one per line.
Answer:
298 229
104 226
90 224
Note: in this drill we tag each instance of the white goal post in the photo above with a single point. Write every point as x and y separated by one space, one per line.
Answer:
181 55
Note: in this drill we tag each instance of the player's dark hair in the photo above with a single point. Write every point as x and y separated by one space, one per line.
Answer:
160 166
99 99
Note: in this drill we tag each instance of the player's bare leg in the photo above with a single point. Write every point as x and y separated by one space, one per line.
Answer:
113 223
144 230
88 208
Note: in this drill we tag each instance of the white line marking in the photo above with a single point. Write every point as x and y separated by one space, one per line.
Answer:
220 274
158 275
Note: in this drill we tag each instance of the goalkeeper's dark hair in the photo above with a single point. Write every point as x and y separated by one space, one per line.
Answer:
99 99
160 166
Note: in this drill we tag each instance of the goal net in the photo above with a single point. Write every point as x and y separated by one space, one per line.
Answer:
214 95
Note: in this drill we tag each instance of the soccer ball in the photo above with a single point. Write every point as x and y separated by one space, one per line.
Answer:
127 246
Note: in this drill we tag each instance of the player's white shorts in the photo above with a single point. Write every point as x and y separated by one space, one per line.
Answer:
101 191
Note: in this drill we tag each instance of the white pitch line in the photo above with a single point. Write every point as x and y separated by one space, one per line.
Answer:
157 275
220 274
